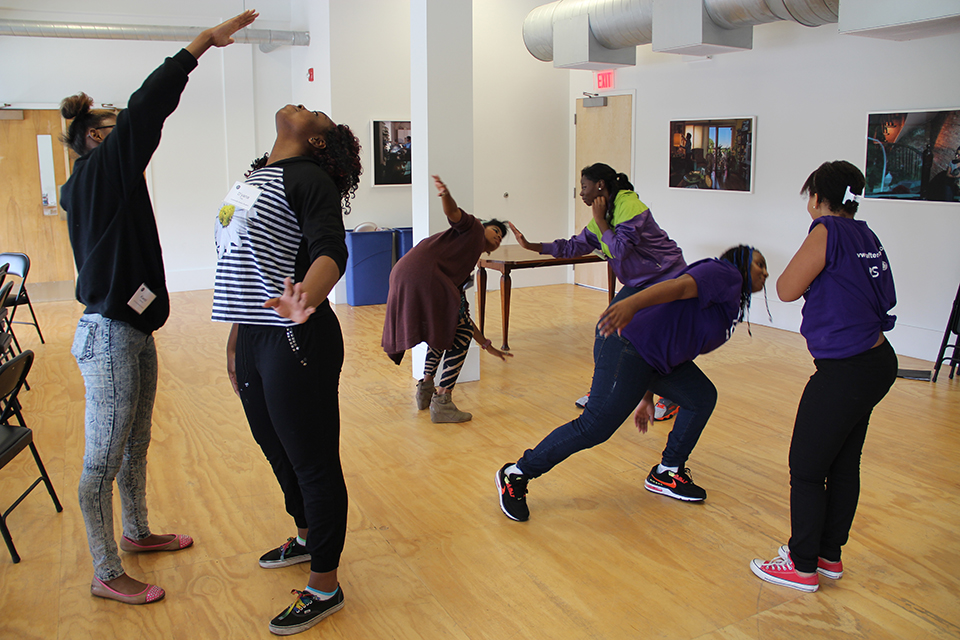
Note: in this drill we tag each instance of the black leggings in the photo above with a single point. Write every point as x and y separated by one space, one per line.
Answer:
828 437
455 355
288 381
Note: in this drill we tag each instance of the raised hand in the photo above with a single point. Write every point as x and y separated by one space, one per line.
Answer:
441 187
292 304
222 34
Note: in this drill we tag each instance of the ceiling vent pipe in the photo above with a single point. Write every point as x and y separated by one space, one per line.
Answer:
268 39
696 27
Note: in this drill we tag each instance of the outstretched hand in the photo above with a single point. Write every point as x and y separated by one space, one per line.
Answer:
292 304
615 318
503 355
519 236
222 34
643 417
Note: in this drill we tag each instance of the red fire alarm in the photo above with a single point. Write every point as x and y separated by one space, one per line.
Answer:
310 74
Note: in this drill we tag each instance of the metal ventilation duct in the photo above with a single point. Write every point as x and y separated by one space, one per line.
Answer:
618 24
268 39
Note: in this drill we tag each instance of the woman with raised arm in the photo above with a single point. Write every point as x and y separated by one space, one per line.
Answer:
281 247
841 270
427 303
647 344
121 282
630 240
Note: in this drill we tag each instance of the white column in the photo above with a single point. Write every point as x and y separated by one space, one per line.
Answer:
441 112
441 107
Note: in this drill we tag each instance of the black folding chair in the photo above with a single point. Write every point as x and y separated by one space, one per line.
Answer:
18 264
14 438
6 338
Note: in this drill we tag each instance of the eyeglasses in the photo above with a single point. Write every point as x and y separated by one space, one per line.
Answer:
106 126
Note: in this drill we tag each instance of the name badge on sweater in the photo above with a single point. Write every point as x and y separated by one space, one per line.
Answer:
242 196
142 299
231 225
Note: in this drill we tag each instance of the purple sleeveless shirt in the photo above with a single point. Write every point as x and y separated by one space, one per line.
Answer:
846 306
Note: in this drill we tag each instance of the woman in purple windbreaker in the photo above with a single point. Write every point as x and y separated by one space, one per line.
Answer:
625 234
842 272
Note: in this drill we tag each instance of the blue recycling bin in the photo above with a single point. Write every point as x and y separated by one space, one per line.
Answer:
404 240
368 267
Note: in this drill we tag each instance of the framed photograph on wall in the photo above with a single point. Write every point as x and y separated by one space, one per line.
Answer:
391 152
913 155
712 153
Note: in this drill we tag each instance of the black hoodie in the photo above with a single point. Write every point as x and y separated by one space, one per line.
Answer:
112 227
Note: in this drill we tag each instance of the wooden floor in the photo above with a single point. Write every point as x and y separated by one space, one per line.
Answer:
430 555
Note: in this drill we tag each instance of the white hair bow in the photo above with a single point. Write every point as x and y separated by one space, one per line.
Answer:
850 195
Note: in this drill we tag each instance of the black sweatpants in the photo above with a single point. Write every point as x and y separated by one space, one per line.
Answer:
828 436
289 381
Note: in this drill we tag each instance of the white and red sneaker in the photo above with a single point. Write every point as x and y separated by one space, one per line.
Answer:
832 570
781 571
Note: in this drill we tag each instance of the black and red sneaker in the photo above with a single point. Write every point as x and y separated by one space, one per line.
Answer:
513 494
676 484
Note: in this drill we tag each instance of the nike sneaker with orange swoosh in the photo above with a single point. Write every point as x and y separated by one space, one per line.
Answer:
513 494
677 485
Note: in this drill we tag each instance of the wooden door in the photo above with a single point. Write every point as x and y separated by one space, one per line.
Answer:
24 227
604 134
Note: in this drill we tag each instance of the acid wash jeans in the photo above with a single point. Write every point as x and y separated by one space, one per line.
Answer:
119 368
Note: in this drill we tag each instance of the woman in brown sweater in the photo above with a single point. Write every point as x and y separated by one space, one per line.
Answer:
426 303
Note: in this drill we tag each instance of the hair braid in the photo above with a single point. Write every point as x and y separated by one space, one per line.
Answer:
741 257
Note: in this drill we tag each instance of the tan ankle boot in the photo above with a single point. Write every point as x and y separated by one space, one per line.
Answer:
442 409
425 391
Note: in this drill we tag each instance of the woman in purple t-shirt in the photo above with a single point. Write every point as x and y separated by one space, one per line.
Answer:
842 272
646 344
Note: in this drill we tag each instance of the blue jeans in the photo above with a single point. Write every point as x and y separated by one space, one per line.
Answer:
621 377
119 368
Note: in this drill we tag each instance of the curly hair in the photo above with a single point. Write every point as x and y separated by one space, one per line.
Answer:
340 159
79 109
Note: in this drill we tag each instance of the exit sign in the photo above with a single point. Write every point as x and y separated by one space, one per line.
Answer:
605 80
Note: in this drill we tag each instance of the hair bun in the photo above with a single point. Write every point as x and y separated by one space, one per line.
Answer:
75 105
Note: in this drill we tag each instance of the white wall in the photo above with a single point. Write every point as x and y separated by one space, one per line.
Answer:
224 119
811 90
370 65
521 114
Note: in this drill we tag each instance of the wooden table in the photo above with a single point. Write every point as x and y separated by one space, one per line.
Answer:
513 256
